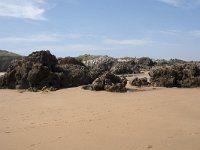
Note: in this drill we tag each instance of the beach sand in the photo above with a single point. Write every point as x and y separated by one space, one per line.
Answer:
75 119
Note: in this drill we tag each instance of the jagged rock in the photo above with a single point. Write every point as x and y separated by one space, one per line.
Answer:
41 69
45 58
74 75
125 68
139 82
145 63
171 62
70 60
4 63
35 70
108 82
103 63
184 75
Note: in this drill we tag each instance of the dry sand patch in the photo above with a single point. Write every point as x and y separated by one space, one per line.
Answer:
75 119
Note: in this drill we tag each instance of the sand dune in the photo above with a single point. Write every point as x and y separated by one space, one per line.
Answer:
74 119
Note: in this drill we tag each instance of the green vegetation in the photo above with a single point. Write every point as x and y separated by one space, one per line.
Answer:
4 53
5 59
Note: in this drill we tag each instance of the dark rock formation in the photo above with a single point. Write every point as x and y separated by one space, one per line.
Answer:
185 75
108 82
139 82
171 62
42 69
74 75
125 68
70 60
146 63
36 70
4 63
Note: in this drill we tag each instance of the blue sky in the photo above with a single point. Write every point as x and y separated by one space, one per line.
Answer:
153 28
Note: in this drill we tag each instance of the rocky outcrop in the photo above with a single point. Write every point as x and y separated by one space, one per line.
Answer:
171 62
184 75
4 63
121 65
42 69
70 61
145 63
139 82
36 70
108 82
129 67
103 63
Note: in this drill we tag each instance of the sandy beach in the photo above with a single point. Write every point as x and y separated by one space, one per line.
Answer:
75 119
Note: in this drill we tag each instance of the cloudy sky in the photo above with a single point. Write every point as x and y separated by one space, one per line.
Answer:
153 28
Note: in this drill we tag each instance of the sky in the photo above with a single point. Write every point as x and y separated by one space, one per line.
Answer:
134 28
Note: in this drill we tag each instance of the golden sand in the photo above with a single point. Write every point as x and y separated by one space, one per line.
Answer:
75 119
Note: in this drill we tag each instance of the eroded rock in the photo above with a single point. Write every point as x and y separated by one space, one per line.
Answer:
108 82
42 69
139 82
184 75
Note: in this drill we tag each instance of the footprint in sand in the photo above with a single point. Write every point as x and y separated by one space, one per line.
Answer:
33 145
196 133
7 132
149 146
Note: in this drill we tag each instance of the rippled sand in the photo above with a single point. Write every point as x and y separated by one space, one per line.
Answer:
74 119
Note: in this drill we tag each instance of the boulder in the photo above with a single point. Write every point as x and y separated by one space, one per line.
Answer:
139 82
108 82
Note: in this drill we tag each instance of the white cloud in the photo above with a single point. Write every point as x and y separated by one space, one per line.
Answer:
171 2
182 3
169 32
135 42
179 33
26 9
69 47
195 33
39 38
49 37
